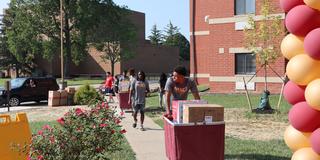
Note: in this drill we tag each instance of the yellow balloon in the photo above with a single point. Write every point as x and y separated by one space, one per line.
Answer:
291 46
302 69
305 154
313 4
296 139
312 93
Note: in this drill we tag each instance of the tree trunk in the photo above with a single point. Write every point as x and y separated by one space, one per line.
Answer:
67 57
112 67
265 77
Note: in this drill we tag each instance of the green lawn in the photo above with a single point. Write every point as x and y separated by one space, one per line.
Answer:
83 80
238 148
125 154
2 80
70 82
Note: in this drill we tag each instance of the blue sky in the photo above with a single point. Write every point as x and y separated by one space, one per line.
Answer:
158 12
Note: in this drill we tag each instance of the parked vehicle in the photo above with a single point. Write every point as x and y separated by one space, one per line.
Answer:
28 89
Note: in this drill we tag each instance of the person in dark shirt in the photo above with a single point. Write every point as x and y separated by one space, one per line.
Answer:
162 84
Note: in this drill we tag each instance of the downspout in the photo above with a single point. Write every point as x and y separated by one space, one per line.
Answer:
194 56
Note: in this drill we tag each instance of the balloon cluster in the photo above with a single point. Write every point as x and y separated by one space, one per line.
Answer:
302 48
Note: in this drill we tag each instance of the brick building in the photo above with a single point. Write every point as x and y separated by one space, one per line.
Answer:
218 56
151 59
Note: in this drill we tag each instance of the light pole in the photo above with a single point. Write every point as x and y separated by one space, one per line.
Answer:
61 45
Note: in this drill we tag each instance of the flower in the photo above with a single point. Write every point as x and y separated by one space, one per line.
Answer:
78 111
40 157
121 113
88 134
61 121
123 131
40 132
103 125
46 127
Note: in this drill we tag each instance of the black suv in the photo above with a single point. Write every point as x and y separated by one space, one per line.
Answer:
28 89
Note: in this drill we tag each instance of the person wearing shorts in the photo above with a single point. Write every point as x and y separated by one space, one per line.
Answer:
139 88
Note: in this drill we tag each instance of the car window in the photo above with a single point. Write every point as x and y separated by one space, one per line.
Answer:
17 82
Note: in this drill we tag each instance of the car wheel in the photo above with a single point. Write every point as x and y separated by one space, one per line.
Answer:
14 101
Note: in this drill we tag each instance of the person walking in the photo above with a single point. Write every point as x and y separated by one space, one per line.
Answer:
108 86
139 88
162 83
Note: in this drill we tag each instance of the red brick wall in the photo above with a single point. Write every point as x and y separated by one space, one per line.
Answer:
209 60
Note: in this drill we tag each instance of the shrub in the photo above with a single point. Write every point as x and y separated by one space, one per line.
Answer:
86 94
83 134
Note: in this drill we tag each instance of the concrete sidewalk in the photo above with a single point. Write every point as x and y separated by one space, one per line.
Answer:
148 144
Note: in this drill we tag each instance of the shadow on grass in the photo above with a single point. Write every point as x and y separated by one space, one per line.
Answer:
254 157
154 109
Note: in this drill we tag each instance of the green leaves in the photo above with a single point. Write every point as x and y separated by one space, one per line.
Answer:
263 37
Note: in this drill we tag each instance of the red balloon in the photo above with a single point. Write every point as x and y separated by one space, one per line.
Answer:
311 44
302 19
304 118
315 140
286 5
294 93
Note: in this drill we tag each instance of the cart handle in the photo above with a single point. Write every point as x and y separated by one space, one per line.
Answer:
6 118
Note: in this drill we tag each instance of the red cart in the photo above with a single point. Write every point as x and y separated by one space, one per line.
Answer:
190 141
123 98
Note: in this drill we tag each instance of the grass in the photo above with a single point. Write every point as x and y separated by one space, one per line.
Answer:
2 80
237 148
126 152
256 150
70 82
83 80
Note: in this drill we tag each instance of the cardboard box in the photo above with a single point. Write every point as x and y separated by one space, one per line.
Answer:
202 113
63 98
177 108
70 90
124 86
53 98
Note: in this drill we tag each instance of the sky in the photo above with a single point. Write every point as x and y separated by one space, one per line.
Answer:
158 12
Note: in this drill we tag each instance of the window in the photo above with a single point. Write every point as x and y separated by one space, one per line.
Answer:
245 63
244 7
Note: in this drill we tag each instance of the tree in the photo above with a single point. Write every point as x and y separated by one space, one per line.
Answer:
263 37
115 37
156 35
170 31
173 37
22 63
36 27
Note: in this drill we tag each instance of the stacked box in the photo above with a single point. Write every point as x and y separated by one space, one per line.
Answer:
178 107
53 98
124 86
63 98
193 113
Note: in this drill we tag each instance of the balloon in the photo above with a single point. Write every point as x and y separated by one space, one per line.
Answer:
304 118
302 19
296 139
286 5
312 93
305 154
302 69
292 45
313 4
315 140
311 44
293 93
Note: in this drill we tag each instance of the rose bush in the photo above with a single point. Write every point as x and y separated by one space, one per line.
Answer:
81 135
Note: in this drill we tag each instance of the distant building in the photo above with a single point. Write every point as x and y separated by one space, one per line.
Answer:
219 54
151 59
